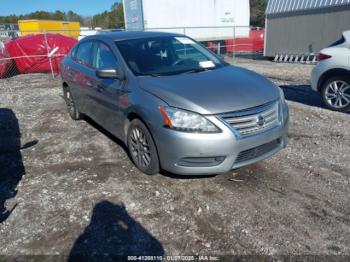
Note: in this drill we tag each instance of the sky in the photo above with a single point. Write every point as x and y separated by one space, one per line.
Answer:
82 7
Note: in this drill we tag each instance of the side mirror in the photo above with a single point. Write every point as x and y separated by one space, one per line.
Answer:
110 74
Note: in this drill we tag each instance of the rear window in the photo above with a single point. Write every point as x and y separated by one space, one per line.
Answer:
338 42
73 52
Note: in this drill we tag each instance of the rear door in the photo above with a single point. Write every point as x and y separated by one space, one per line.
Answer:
106 93
82 74
67 68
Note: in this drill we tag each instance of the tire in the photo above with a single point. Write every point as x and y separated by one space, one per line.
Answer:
142 149
335 89
71 106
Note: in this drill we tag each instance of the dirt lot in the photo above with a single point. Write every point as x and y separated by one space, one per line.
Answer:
68 187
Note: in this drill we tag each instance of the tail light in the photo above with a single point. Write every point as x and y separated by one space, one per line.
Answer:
321 57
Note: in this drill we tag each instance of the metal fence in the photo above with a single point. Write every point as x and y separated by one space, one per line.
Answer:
44 56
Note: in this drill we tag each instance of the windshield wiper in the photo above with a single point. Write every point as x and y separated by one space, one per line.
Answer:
155 75
163 74
196 70
199 69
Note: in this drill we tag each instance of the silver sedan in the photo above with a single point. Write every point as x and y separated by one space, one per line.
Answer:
176 105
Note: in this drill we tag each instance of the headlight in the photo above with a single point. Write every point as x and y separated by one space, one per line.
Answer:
283 98
283 108
186 121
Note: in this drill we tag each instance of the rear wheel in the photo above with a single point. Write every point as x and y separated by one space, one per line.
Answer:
336 93
71 106
142 148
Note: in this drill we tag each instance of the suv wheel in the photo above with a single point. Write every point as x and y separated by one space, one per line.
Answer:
142 149
336 93
71 107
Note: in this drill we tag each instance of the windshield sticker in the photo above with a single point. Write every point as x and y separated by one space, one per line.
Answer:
184 40
206 64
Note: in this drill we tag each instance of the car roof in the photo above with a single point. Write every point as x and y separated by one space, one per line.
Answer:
119 36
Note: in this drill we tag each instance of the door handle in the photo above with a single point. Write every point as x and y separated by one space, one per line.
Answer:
89 84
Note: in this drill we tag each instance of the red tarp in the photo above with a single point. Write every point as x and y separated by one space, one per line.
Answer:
30 53
5 62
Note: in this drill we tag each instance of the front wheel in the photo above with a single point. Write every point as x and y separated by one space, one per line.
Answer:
142 148
336 93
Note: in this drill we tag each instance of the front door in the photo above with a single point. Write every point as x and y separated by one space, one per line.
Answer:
106 93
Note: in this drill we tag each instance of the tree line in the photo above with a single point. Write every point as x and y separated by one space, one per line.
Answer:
112 19
257 12
58 15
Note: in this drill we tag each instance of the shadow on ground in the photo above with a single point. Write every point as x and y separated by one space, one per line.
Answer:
112 235
124 147
107 134
302 94
11 165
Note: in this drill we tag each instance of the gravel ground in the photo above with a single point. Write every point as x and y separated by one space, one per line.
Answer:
69 187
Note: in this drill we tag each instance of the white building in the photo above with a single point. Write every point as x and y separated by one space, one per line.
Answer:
299 27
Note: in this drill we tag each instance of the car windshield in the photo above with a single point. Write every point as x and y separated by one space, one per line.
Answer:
168 55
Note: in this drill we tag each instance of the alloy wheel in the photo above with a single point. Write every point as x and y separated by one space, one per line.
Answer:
337 94
140 148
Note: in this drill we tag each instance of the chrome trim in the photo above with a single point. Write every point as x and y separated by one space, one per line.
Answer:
249 110
253 121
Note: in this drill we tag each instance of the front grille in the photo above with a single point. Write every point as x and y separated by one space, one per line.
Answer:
257 152
253 121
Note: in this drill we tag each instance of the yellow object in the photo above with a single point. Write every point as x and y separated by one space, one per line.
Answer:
29 27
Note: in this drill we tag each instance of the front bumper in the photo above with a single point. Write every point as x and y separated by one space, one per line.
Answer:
318 71
205 154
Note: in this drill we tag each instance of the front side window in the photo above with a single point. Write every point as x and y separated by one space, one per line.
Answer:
103 57
167 55
83 55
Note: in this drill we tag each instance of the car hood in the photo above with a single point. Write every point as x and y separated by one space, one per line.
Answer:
217 91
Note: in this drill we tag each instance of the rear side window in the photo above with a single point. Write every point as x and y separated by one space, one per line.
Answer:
338 42
73 52
83 55
103 57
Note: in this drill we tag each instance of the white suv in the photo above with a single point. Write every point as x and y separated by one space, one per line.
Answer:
331 76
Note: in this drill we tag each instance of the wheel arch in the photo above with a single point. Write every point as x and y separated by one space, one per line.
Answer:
65 87
135 115
331 73
129 118
64 84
